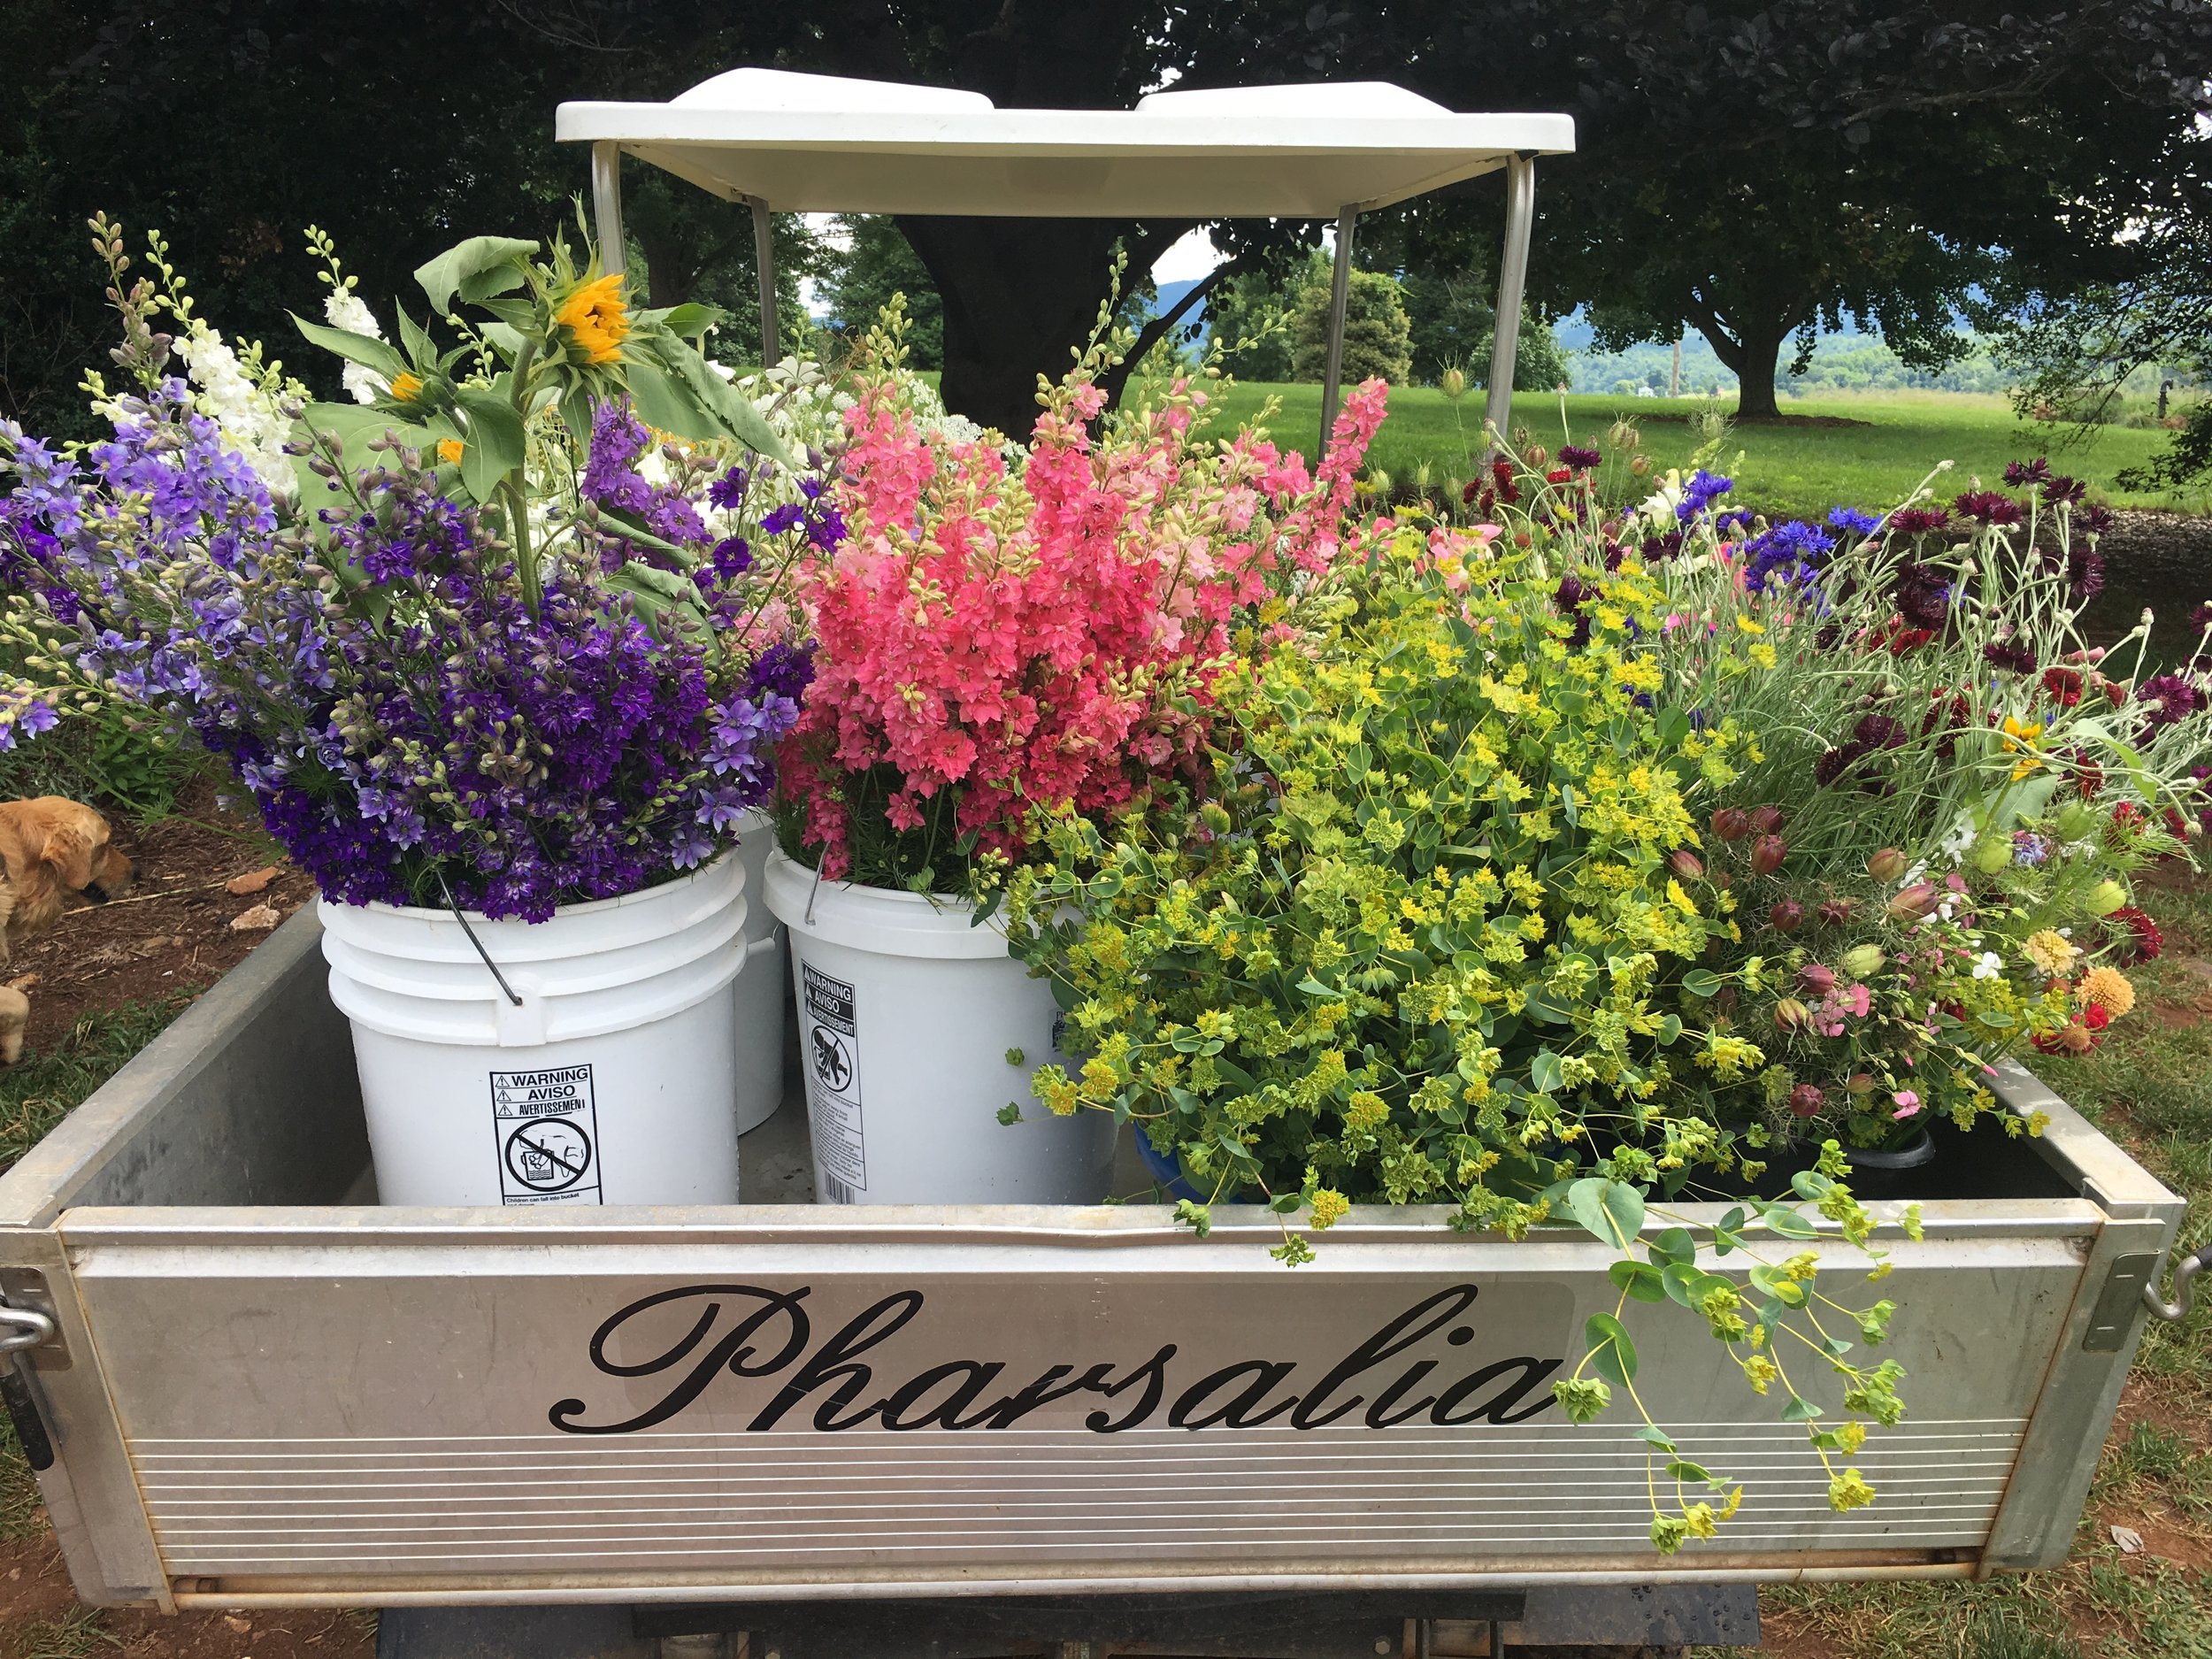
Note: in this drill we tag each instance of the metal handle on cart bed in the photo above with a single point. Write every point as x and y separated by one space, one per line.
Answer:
26 1328
30 1328
2176 1309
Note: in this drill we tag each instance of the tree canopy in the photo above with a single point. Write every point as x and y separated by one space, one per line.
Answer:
1744 166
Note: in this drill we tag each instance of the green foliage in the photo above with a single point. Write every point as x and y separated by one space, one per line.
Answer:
1248 318
1451 324
1377 334
859 279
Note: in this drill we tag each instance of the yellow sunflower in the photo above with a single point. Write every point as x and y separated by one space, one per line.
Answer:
406 387
596 319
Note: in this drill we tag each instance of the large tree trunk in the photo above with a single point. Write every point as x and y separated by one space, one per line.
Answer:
1747 336
1018 292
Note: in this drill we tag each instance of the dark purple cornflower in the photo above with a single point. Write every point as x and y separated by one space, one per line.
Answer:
1575 456
2011 655
1879 731
2084 573
1917 520
2094 520
1835 762
2063 491
2167 700
1659 548
1923 595
1988 506
2019 473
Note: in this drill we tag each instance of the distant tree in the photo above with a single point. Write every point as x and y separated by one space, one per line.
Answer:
1377 339
1248 316
2079 349
859 279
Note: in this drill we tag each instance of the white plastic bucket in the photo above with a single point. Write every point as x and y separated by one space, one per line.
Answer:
756 995
612 1081
906 1018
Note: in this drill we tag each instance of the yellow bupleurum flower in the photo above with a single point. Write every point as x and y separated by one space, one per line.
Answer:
2109 989
2050 950
449 449
596 319
406 387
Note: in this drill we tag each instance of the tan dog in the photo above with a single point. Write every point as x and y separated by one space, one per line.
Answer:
48 847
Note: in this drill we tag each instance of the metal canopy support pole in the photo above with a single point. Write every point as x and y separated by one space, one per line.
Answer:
1520 218
1340 289
606 204
765 257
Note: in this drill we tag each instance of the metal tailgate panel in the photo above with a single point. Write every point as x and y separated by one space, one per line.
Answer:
322 1403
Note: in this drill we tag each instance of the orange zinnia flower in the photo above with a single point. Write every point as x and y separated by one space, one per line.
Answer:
596 320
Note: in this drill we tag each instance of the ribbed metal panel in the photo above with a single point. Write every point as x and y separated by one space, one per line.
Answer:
672 1500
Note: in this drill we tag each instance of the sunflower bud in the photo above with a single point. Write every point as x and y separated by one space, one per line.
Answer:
1731 824
1909 904
1787 915
1886 865
1806 1100
1791 1015
1686 864
1767 854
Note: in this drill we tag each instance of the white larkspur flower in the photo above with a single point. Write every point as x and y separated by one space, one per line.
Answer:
253 422
1961 840
342 308
1990 967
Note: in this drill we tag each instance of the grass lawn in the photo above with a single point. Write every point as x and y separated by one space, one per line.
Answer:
1806 464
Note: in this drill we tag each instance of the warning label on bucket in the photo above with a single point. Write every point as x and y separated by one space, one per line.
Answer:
832 1085
547 1127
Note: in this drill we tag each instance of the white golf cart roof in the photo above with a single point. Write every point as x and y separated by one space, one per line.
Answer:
786 143
817 143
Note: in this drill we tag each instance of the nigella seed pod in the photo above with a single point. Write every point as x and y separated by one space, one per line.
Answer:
1816 979
1909 904
1731 824
1791 1015
1686 864
1766 820
1886 865
1860 1084
1787 915
1806 1099
1767 854
1836 912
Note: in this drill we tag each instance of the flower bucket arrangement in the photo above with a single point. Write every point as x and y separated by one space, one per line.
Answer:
500 650
1554 862
1004 631
1605 860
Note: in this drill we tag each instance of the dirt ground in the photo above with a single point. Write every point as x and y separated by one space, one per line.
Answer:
181 928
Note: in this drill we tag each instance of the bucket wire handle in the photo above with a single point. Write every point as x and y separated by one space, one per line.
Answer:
2179 1307
473 939
810 892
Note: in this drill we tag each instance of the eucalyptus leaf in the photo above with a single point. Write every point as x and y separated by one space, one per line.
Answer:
1612 1351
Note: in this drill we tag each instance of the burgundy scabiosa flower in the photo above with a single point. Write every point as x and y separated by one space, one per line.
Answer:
1575 456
